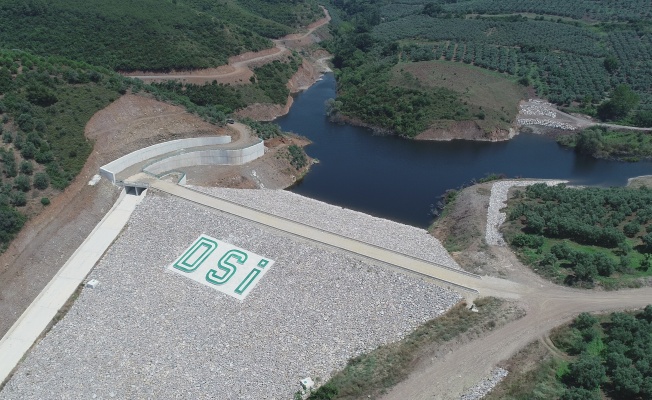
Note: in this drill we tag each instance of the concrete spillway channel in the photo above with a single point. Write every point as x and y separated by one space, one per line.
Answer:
175 155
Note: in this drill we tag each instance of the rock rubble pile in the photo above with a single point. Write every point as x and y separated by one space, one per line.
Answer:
498 201
539 112
484 386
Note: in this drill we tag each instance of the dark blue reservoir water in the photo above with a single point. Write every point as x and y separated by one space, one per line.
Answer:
400 179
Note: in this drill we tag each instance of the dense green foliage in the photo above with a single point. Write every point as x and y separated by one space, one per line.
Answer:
214 101
297 156
582 235
272 79
621 103
263 130
365 93
604 10
44 105
148 34
49 102
572 54
603 143
613 355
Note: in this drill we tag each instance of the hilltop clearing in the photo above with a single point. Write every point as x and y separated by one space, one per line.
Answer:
489 97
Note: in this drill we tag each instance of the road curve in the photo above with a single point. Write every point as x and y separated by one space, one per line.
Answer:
240 64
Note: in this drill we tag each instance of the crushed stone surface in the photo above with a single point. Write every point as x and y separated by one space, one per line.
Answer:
483 387
391 235
148 333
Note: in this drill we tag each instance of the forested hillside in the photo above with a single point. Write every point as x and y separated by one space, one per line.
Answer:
44 106
592 56
149 34
45 103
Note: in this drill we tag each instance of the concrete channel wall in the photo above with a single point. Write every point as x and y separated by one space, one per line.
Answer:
111 169
206 157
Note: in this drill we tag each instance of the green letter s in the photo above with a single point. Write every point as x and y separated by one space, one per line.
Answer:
226 266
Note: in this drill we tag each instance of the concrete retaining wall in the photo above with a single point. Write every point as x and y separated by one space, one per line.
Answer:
206 157
111 169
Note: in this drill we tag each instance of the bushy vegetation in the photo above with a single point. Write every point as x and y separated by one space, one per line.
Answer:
215 101
297 156
148 34
272 79
264 130
602 357
579 236
603 143
366 93
612 356
605 10
44 106
580 55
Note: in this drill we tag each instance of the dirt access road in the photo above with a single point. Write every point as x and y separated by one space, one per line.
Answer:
546 306
239 68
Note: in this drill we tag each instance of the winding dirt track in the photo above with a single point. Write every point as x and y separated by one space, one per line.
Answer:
547 306
239 68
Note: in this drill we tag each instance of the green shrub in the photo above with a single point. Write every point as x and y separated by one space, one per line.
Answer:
26 167
526 240
18 199
298 157
631 229
45 201
41 181
22 183
7 137
326 392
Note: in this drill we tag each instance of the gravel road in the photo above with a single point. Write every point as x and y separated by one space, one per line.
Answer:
145 332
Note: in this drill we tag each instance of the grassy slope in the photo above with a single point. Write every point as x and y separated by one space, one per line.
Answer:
146 34
492 97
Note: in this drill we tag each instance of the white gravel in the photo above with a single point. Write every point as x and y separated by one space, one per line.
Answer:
539 112
401 238
147 333
484 386
551 123
498 201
